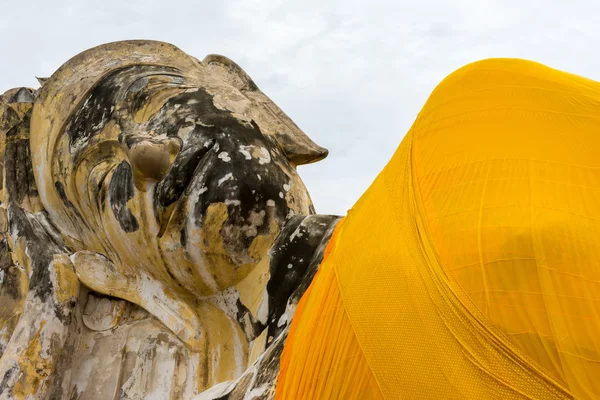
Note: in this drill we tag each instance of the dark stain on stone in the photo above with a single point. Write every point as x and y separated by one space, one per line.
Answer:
9 118
120 190
295 259
60 188
249 324
218 131
20 182
24 95
100 106
92 115
183 237
41 248
170 189
5 389
10 283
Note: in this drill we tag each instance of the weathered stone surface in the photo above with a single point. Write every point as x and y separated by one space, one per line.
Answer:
155 236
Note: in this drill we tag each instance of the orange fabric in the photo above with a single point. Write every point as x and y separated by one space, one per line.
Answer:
322 358
506 155
470 268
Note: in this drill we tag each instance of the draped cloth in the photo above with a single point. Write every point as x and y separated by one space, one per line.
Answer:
470 269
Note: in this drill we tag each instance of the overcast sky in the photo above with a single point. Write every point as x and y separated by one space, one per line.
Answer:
352 74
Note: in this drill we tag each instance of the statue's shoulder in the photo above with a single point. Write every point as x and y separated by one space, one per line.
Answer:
295 259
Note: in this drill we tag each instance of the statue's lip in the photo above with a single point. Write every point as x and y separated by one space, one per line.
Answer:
168 192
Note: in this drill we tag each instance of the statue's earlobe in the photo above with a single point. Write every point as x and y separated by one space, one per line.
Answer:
298 147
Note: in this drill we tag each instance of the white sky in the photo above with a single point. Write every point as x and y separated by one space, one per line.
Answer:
352 74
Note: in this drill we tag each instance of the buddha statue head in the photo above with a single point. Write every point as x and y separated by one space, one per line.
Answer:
167 169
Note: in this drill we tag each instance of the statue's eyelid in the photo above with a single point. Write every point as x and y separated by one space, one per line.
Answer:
138 85
151 80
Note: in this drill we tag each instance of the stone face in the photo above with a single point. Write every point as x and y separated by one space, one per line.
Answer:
155 236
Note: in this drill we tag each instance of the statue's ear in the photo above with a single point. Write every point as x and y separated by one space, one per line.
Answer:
298 147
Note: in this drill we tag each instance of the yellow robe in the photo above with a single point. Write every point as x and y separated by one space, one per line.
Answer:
470 269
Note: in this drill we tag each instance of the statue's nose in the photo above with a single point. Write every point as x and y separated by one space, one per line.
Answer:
151 158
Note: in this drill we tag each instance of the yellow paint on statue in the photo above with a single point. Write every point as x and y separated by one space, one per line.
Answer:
34 368
67 284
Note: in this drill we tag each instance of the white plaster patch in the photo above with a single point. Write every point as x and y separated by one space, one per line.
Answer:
297 233
262 314
286 187
238 350
255 219
196 254
257 392
215 360
281 194
245 152
270 203
227 177
184 131
199 122
265 156
290 309
164 307
162 136
282 320
290 266
230 202
226 300
224 156
217 391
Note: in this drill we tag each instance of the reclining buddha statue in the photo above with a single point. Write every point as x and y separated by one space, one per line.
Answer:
157 242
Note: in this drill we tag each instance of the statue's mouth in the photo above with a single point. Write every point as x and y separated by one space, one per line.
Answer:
168 192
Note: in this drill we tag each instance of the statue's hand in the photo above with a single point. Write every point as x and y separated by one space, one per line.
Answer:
100 274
